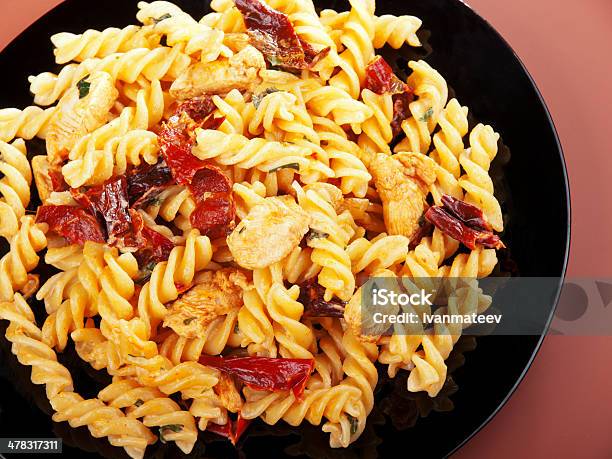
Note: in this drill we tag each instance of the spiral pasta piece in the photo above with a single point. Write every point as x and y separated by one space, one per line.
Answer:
103 421
161 63
337 103
256 327
219 334
448 142
476 181
377 132
180 28
14 186
380 253
340 405
237 150
357 39
432 94
21 258
396 31
280 115
26 124
96 43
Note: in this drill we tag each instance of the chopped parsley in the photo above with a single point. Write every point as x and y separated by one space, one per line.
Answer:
295 166
427 115
169 427
188 320
162 18
139 402
83 86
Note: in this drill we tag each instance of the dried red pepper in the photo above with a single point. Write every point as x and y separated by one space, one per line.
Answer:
232 429
381 79
471 215
311 296
73 223
264 373
425 229
455 227
401 110
273 34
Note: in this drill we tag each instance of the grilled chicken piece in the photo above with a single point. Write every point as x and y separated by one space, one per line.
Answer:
228 393
42 178
215 293
403 182
81 110
268 233
241 71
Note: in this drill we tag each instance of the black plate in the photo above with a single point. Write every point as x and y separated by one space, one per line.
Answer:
531 183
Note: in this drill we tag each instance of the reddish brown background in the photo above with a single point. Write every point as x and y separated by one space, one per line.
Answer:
563 408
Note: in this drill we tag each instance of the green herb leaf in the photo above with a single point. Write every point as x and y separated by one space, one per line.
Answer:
169 428
295 166
162 18
188 320
427 115
138 402
257 98
84 86
314 234
354 424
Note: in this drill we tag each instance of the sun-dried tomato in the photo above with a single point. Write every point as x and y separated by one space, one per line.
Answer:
311 296
453 226
109 202
273 34
147 181
216 210
264 373
157 247
58 183
233 429
73 223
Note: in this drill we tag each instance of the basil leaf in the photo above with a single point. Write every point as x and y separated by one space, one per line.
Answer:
84 86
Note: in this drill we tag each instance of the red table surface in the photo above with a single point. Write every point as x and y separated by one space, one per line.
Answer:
563 408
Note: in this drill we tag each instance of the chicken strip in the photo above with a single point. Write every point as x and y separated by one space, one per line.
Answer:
216 293
84 108
241 71
402 181
268 233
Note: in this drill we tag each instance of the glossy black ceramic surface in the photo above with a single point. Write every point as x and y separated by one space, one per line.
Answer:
483 72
